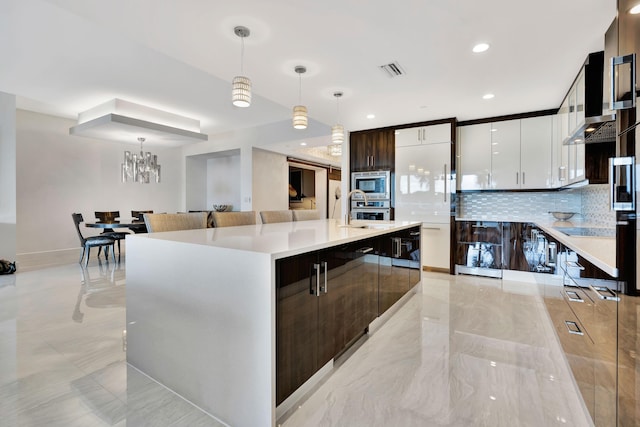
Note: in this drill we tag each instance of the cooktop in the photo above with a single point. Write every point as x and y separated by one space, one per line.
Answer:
587 231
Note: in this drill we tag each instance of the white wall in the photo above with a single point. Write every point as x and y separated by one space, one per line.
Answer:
270 181
58 174
7 176
223 182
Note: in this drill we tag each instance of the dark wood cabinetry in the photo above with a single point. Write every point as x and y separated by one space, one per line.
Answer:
597 161
479 248
372 150
399 258
325 300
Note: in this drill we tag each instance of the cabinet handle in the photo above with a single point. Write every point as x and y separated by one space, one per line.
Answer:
373 161
326 273
573 296
445 183
316 291
364 250
573 327
523 178
561 173
517 178
419 135
604 293
397 247
619 60
431 228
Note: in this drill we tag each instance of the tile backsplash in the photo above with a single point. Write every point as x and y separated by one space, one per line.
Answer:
590 204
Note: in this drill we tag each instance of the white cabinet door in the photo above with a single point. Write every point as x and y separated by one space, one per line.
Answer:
536 143
505 155
422 182
579 163
474 148
437 133
435 246
407 137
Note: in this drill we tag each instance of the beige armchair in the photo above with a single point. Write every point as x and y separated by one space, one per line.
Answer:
173 222
230 219
306 215
269 217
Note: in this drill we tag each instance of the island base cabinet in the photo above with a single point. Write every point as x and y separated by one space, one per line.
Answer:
324 301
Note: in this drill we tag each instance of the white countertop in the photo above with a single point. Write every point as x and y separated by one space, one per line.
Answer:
600 251
281 239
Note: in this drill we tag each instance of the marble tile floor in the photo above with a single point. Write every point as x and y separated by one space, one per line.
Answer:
464 351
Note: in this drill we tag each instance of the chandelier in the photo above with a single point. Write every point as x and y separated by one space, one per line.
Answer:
140 167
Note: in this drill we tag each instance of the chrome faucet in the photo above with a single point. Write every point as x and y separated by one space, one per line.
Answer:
347 219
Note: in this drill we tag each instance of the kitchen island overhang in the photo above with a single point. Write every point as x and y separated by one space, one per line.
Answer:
201 309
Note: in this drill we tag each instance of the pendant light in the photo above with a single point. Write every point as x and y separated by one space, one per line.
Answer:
241 86
337 131
300 111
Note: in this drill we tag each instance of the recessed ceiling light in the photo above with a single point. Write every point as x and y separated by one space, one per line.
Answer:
480 47
371 116
303 143
488 96
635 9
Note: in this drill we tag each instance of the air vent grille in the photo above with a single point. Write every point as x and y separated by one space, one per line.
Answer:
392 70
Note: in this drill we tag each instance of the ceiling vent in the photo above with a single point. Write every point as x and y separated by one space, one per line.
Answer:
392 70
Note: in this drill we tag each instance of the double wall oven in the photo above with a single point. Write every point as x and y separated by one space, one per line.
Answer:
377 186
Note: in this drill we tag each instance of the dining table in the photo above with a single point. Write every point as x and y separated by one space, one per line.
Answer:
135 225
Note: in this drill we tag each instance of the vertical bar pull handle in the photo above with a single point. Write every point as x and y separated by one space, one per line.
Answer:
316 292
625 103
445 182
523 182
517 173
326 273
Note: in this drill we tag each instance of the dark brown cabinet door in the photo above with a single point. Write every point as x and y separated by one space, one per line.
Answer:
479 244
399 259
372 150
296 323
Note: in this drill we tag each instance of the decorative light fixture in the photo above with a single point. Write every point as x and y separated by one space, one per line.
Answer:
241 86
337 131
139 168
300 111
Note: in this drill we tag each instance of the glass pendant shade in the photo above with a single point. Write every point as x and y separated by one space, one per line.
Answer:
335 150
300 119
241 85
337 134
241 91
140 167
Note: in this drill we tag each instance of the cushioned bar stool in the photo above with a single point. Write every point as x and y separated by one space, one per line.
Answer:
107 217
230 219
174 222
306 215
269 217
99 241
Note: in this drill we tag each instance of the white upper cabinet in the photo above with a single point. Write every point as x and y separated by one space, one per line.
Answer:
536 144
505 155
474 161
423 135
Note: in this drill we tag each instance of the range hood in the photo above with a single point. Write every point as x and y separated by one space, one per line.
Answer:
598 124
125 121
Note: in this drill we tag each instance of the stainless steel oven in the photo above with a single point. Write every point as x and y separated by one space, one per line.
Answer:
376 185
371 214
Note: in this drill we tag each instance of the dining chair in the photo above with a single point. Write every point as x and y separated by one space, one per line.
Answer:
139 216
99 241
306 214
230 219
270 217
174 222
111 216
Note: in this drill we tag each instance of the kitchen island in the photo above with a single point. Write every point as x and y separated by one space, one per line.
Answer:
202 306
